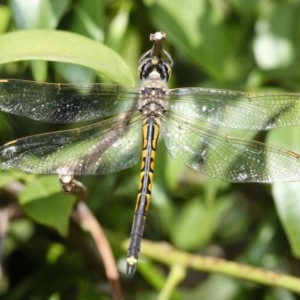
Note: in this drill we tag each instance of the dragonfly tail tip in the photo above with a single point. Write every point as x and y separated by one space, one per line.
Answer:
131 267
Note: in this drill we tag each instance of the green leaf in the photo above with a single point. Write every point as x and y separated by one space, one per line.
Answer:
228 288
286 195
61 46
273 42
89 18
40 13
43 201
197 223
5 16
287 201
39 70
75 73
8 176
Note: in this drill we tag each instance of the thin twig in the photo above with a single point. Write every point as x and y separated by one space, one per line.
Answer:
168 255
88 222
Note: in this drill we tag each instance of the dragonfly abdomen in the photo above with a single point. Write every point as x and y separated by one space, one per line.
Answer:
151 129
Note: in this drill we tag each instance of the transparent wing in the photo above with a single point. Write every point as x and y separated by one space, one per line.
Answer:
238 110
101 148
228 158
65 103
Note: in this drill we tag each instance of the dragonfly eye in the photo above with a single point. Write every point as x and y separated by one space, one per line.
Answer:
154 65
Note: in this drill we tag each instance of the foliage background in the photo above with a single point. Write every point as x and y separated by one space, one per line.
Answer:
243 45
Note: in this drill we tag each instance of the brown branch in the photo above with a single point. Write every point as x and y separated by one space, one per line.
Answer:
88 222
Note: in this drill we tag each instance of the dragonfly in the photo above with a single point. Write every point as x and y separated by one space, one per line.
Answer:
129 121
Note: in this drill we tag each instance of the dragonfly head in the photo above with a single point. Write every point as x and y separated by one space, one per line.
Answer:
152 65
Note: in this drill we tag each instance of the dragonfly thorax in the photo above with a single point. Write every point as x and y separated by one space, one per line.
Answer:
152 96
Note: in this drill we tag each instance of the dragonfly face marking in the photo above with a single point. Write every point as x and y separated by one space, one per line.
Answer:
131 121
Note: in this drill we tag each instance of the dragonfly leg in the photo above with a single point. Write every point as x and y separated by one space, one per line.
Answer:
70 185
